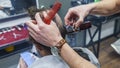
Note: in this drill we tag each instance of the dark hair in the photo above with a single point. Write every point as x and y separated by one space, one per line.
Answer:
33 10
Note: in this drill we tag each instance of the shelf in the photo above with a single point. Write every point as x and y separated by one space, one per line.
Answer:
15 44
17 49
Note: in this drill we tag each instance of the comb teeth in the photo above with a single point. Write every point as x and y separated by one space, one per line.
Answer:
50 15
52 12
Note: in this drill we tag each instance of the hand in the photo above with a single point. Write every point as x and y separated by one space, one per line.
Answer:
22 63
79 12
45 34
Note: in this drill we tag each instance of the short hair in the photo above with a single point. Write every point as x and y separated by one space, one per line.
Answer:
33 10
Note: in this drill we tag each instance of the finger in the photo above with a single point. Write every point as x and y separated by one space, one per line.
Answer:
52 23
41 15
33 21
45 13
32 35
39 19
79 21
32 31
32 26
67 17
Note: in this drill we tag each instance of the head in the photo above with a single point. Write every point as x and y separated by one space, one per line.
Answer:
44 50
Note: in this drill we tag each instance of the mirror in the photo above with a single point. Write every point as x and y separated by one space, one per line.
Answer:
10 8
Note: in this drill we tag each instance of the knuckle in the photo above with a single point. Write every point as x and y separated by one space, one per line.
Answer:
36 15
37 31
80 20
27 22
40 26
70 9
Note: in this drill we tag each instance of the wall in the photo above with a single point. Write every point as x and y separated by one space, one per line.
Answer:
64 8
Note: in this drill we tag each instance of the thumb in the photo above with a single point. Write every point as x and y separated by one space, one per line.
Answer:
79 22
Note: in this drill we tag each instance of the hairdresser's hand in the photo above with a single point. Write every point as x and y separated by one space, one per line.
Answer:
48 35
79 12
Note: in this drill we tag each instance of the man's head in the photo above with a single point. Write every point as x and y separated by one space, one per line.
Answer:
41 48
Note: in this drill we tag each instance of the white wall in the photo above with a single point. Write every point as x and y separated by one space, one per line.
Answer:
13 22
107 30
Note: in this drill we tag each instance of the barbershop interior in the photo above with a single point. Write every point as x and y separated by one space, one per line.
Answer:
97 40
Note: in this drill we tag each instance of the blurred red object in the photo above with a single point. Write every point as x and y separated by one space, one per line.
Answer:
52 12
13 36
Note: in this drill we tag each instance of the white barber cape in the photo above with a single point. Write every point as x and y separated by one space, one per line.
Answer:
49 62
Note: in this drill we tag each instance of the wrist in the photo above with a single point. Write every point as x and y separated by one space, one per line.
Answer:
92 6
60 43
57 40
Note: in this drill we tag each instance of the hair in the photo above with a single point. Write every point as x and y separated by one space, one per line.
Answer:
62 30
32 11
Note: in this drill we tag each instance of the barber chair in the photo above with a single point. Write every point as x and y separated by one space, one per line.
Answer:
88 55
